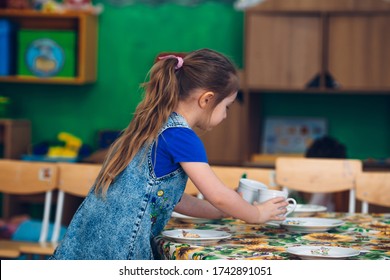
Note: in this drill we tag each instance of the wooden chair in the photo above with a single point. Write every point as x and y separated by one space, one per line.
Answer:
74 179
77 180
373 188
315 175
27 178
231 175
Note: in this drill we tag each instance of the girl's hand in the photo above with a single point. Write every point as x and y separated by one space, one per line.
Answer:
273 209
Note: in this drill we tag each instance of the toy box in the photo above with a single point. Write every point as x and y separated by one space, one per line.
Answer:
47 53
7 47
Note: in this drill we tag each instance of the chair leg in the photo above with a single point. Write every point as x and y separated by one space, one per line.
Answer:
364 207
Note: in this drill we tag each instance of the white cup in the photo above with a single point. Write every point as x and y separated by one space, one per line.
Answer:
249 189
264 195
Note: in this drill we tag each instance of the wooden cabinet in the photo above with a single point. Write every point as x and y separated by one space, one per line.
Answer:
85 26
312 46
295 45
306 47
358 50
15 138
283 51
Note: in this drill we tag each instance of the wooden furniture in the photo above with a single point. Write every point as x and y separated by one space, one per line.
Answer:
314 175
9 250
15 136
77 180
311 47
306 47
84 24
15 139
283 51
358 45
373 188
74 179
28 178
289 43
231 175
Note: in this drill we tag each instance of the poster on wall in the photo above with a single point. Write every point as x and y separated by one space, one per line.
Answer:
291 135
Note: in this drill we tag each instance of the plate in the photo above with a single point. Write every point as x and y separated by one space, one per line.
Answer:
322 252
203 236
192 220
274 223
309 208
308 225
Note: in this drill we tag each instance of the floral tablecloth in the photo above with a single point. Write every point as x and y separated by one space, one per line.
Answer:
370 234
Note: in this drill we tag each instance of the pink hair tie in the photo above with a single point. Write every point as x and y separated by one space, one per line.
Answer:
180 60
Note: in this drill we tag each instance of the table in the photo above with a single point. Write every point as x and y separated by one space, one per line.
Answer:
370 234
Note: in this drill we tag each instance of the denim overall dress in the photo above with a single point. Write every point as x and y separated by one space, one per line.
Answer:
136 208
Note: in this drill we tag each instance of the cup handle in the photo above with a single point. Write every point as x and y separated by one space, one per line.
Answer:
291 206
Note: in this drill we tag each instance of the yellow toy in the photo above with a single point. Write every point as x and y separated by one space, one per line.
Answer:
69 150
51 6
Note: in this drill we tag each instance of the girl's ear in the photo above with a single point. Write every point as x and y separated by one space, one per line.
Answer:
205 99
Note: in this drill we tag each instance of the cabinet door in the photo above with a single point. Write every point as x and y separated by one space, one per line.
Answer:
359 51
282 51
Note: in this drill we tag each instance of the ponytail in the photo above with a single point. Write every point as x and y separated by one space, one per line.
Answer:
161 98
172 79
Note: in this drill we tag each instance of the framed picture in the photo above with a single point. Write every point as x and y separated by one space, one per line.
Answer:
285 135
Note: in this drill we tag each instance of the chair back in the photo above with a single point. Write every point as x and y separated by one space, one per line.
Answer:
29 178
231 175
373 188
77 178
74 179
319 175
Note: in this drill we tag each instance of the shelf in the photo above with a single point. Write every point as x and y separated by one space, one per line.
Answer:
36 80
85 25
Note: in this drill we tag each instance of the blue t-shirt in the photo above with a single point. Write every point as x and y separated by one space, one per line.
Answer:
175 145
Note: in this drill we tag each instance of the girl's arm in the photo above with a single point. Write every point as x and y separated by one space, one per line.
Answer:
192 206
229 201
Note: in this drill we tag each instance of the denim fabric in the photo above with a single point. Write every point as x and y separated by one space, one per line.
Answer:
136 208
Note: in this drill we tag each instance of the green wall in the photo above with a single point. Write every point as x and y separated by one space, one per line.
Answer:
129 39
361 122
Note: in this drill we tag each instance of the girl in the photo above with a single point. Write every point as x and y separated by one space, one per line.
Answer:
144 175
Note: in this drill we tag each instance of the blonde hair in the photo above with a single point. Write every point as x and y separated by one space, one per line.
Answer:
202 69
